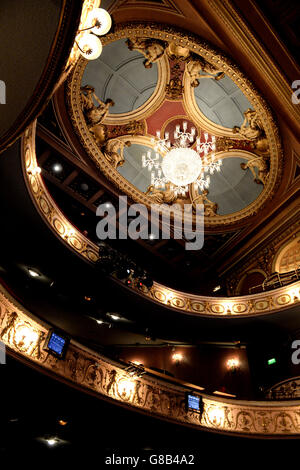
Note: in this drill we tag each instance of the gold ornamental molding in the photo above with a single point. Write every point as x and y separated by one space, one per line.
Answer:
221 62
24 337
225 307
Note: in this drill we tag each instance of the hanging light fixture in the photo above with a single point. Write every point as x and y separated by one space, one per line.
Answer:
101 20
89 45
181 165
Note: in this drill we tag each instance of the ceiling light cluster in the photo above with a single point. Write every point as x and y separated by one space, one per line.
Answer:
99 23
182 165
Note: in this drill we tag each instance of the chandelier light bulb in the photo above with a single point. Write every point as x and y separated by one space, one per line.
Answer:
90 46
102 20
181 166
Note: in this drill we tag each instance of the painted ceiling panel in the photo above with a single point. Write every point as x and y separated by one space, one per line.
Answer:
233 188
119 74
221 101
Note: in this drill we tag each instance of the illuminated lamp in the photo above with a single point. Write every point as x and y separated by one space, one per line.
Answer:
90 46
101 19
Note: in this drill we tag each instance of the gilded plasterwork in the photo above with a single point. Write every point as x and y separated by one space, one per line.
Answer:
264 137
91 372
228 307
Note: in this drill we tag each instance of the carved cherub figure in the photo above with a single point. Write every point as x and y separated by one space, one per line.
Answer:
99 133
94 114
158 196
210 208
111 151
197 65
262 165
251 128
152 49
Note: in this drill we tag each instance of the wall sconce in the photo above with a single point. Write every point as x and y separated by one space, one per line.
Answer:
228 308
233 364
295 294
177 358
87 39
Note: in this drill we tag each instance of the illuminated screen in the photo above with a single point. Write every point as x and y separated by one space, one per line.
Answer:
193 402
56 343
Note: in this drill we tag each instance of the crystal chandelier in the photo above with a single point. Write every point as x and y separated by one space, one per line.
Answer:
181 165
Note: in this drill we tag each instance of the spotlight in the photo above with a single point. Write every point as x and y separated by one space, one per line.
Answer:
51 442
115 317
215 289
33 273
57 167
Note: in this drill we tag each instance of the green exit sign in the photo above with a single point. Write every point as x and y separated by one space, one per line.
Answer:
271 361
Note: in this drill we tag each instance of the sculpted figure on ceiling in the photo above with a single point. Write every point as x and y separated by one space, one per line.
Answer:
152 49
94 114
197 65
159 196
210 208
261 163
251 128
111 151
99 132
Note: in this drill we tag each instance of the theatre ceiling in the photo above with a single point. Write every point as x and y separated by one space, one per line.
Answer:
165 63
244 199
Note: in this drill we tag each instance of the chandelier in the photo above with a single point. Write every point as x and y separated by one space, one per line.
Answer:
180 164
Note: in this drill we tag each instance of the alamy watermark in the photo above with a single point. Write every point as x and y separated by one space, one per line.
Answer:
134 222
296 94
296 354
2 92
2 353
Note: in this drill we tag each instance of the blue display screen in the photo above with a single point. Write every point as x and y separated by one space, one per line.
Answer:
56 343
194 402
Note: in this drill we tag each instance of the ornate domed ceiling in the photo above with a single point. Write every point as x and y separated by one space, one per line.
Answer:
151 79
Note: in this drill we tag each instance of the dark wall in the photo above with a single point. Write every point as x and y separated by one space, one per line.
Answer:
204 366
27 32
